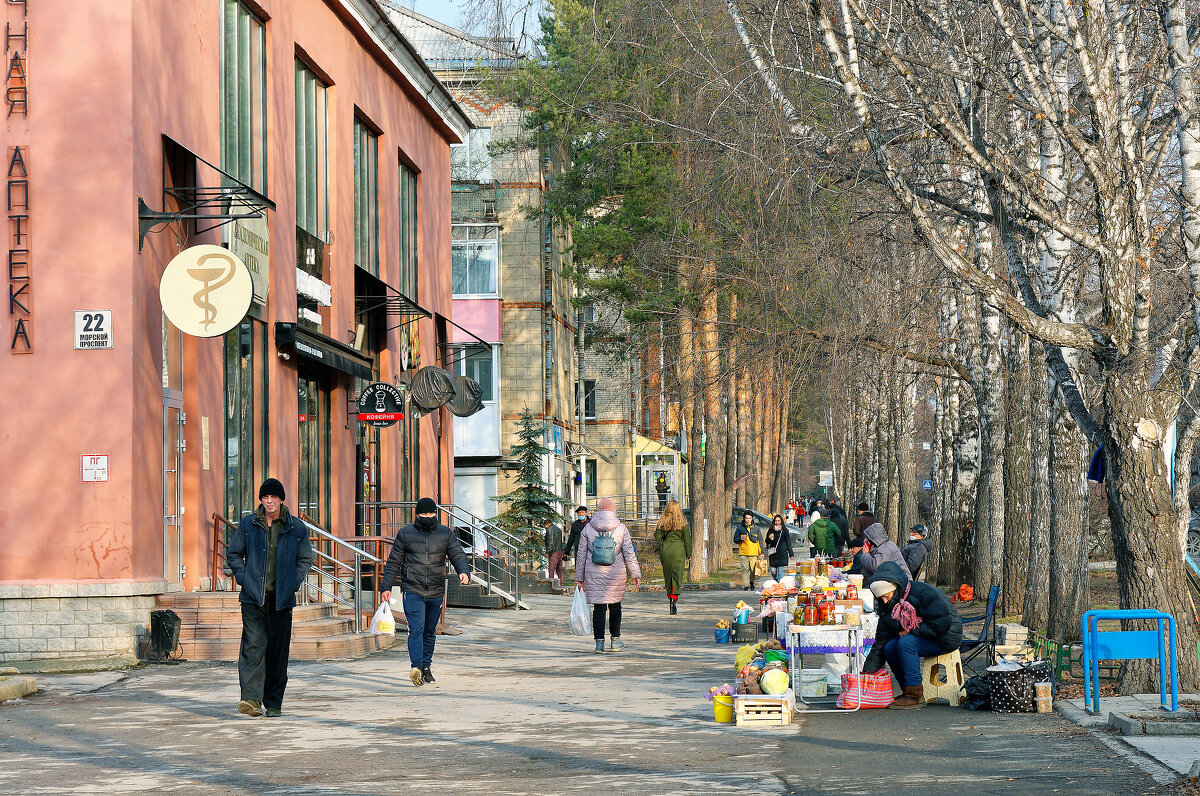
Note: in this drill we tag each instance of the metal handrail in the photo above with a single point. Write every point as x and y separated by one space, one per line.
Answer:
220 548
360 557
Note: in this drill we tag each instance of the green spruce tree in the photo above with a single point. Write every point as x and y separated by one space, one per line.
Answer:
532 502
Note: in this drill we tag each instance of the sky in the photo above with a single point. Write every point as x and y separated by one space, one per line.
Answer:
444 11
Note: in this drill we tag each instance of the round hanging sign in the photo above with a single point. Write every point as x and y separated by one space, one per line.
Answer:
381 405
205 290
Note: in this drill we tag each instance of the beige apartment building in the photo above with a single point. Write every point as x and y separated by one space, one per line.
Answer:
514 323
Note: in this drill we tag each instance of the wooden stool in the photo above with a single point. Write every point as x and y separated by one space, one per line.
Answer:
953 687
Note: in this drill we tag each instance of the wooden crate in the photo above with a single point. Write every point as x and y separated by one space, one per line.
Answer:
762 711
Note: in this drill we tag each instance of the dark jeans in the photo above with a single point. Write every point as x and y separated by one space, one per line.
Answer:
263 660
613 611
904 655
422 614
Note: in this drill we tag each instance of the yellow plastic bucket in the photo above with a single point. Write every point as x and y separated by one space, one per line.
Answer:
723 708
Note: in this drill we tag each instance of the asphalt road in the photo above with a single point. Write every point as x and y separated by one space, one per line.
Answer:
522 707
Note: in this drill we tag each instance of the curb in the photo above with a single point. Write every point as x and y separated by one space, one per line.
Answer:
17 687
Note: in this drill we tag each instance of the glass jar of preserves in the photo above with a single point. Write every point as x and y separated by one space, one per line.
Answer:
827 613
851 592
810 614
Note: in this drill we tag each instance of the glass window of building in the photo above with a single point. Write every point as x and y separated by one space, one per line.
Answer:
366 197
589 399
408 232
243 95
589 477
312 153
475 260
471 162
245 416
476 362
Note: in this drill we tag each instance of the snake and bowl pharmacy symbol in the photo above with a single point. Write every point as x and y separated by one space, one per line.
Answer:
206 290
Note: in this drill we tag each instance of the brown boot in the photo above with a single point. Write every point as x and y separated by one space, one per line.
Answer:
914 697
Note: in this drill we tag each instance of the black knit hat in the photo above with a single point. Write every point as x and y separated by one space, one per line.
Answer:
272 487
426 506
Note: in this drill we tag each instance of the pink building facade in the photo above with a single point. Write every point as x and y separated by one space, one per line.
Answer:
314 120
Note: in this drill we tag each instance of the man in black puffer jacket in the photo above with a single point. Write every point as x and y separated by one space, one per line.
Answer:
418 558
937 629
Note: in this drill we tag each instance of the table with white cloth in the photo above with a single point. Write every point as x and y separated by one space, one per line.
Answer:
842 648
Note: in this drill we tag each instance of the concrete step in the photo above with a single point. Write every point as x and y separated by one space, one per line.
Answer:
345 645
472 596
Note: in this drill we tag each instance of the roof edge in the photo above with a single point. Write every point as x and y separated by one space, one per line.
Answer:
379 26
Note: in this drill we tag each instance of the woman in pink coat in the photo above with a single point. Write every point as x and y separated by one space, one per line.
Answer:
604 584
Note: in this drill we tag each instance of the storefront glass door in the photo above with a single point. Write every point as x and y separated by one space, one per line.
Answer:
173 420
313 499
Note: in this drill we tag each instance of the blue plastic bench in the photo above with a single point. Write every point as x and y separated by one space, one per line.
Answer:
1125 645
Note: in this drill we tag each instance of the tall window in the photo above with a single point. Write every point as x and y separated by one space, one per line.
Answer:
245 416
589 399
366 198
408 232
243 95
312 153
476 364
474 261
589 477
471 162
313 497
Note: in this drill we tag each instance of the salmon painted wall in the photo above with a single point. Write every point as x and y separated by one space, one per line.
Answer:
59 403
105 85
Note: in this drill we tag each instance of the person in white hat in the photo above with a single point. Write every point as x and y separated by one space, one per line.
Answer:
915 621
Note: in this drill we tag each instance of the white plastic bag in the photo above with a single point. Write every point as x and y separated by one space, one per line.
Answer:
383 623
581 617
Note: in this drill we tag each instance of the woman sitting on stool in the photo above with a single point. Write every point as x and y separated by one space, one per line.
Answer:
915 621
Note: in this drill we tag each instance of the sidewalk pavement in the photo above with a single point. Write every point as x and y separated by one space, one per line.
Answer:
523 707
1161 755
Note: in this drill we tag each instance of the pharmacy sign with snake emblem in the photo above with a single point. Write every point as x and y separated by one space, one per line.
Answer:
205 290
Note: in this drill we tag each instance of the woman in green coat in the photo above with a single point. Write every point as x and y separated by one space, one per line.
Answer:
676 550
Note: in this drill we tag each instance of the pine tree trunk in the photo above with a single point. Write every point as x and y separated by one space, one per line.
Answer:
1017 474
1036 611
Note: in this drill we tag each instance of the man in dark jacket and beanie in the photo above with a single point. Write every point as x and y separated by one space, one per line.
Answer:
864 520
418 559
915 621
269 555
917 549
837 516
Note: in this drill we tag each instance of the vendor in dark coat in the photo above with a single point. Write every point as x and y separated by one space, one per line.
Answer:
915 621
917 549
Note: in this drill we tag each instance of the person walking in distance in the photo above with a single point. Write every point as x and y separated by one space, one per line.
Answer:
269 556
663 489
581 520
676 550
749 544
605 555
418 560
864 520
553 541
779 547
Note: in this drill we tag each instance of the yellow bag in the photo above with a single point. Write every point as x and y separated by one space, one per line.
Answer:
744 655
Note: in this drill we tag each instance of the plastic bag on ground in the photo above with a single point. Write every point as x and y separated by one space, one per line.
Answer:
383 623
581 617
979 694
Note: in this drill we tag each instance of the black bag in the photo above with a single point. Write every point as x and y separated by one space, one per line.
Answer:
979 694
1012 691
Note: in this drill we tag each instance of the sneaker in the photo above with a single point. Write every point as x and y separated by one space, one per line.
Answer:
251 707
427 675
417 677
273 713
599 646
617 645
